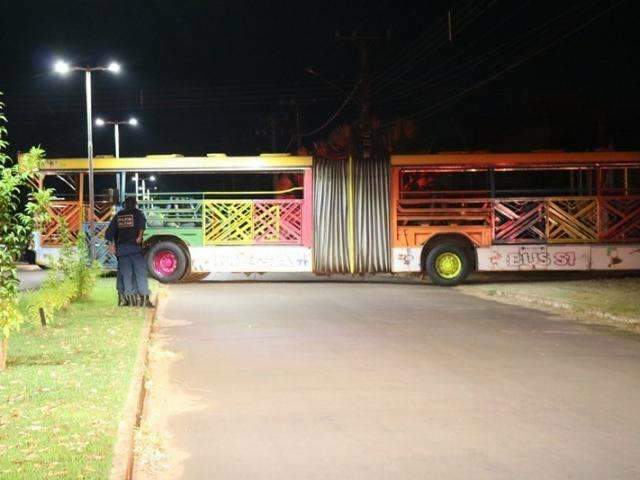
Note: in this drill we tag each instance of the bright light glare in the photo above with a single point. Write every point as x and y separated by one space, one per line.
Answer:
61 67
133 121
99 122
114 67
152 178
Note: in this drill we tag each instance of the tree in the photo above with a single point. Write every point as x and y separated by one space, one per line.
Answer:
18 218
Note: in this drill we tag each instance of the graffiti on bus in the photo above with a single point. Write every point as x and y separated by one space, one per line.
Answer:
541 258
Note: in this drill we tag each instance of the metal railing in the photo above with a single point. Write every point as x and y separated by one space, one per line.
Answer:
173 210
563 219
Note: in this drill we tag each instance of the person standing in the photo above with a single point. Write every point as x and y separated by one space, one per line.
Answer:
124 235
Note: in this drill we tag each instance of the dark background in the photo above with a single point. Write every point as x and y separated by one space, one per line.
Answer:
209 76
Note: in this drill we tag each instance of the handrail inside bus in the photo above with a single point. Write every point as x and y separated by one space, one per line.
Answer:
274 192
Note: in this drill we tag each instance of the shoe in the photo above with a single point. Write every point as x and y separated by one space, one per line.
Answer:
123 300
147 302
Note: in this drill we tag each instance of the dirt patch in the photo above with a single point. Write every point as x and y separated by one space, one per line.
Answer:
123 449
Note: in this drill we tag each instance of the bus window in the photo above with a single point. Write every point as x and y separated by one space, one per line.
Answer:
450 184
620 181
544 183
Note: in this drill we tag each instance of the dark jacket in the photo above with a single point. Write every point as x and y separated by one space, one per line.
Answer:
124 229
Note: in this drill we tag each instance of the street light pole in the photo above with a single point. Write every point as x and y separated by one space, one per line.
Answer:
122 178
92 222
116 133
123 174
63 68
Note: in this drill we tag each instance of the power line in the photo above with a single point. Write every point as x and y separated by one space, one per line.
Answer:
335 114
433 109
429 80
480 59
429 48
424 40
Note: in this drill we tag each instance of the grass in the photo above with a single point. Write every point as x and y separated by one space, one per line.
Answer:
617 297
64 389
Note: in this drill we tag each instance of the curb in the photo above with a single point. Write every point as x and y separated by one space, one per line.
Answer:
122 464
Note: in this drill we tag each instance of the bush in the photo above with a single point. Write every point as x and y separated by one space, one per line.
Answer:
17 221
75 265
73 277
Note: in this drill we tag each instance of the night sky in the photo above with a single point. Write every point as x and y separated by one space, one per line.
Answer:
207 76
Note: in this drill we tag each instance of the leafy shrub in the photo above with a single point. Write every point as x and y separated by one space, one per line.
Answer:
73 277
75 264
54 295
17 221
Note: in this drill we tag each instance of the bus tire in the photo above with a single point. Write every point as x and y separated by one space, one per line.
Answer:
448 264
167 262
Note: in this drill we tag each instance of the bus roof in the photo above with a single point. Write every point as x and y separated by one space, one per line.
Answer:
178 163
516 160
455 160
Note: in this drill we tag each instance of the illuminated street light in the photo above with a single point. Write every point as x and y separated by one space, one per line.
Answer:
62 67
122 180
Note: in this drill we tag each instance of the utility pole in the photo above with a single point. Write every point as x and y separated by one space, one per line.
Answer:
363 43
296 106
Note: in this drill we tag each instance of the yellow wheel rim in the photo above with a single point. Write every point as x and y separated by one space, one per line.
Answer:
448 265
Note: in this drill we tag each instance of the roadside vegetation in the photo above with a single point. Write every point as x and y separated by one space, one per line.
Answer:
72 278
64 388
607 301
65 379
23 205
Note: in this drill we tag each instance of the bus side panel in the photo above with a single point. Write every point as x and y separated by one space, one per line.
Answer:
406 259
45 256
615 257
250 258
559 257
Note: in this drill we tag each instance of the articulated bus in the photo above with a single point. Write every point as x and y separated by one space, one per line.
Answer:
444 215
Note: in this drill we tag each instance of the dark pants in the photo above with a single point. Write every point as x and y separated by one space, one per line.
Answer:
119 281
132 270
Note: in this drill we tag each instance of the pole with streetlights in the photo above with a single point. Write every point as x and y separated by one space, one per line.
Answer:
116 134
64 68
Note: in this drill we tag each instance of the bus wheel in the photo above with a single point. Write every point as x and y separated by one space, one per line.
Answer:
448 264
167 262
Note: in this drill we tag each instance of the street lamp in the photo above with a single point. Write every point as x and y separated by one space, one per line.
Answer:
116 133
63 68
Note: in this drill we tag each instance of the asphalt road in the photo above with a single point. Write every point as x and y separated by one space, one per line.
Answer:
30 276
391 381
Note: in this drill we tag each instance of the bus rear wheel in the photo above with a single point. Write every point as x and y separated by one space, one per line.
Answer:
448 264
167 262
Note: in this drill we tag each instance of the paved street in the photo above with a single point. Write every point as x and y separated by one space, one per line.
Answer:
388 381
30 276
